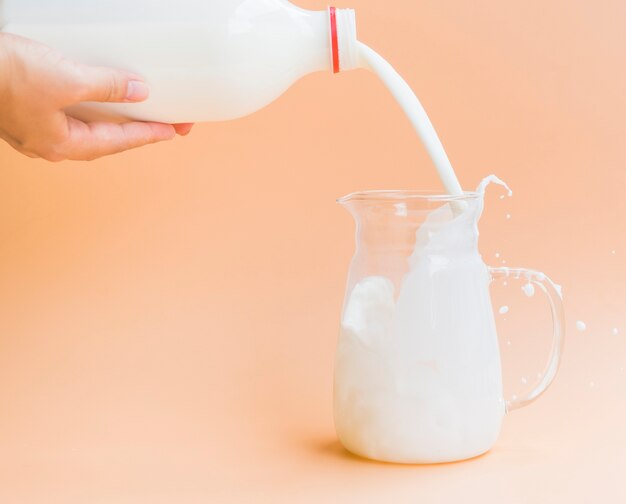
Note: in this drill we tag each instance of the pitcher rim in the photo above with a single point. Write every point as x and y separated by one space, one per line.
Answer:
405 194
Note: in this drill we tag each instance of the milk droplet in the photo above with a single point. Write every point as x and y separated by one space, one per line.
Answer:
502 197
508 216
615 331
503 310
508 343
506 283
503 261
529 289
514 397
497 255
559 289
581 326
524 380
613 252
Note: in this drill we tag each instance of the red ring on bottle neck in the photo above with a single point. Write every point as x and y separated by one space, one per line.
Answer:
334 38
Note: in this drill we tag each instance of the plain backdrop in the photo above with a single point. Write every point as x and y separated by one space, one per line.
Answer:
168 316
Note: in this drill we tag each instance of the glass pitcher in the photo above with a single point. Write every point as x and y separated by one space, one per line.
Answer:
417 372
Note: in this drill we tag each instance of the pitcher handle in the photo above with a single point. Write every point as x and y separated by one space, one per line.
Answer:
558 319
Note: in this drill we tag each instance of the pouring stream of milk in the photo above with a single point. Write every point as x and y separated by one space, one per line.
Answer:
414 110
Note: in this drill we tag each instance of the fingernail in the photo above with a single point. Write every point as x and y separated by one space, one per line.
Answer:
183 129
137 91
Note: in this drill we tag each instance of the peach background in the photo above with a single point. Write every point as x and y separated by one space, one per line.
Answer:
168 316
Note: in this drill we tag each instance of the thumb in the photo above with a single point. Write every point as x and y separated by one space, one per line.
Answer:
109 85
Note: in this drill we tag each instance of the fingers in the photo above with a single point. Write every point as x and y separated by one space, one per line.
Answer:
86 142
101 84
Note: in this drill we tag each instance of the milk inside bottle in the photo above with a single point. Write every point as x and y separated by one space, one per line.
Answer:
204 60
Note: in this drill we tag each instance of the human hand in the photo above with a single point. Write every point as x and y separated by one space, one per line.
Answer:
37 83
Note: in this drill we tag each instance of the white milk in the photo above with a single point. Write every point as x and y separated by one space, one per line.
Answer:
418 375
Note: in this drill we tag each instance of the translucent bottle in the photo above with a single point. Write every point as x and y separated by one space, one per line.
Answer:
204 60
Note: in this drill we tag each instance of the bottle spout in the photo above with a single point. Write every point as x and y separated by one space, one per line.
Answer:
351 204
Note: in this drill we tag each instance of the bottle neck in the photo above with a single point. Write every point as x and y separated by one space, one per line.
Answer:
343 39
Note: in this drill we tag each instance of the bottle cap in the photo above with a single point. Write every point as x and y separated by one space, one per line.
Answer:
343 40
